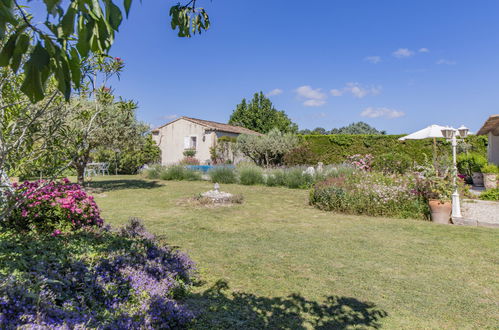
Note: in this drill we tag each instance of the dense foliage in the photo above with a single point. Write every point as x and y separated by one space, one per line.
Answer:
70 32
468 163
50 207
93 278
251 175
490 169
393 163
268 149
354 128
261 116
490 194
300 155
357 128
334 149
138 151
31 138
222 174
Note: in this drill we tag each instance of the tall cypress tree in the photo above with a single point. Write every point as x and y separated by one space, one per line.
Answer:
260 115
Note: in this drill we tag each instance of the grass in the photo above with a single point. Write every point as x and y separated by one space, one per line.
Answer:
275 262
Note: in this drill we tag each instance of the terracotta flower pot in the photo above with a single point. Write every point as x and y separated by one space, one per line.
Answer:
477 179
440 211
490 180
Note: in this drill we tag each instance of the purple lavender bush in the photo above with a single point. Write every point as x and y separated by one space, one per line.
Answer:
93 277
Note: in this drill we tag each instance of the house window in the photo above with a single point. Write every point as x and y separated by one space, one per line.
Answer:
190 142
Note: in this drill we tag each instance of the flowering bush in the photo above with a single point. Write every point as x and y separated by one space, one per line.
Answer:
370 193
434 183
188 160
361 162
93 278
51 207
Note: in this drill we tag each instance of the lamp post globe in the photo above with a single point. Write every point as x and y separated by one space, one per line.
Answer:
463 131
448 132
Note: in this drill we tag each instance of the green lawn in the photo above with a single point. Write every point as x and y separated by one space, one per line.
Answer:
275 262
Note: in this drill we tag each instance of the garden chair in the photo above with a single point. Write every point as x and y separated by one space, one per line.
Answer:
104 168
91 170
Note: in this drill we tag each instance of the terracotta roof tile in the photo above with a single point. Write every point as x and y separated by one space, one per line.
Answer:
216 126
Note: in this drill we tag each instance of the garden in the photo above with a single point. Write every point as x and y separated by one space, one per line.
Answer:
276 262
304 231
416 180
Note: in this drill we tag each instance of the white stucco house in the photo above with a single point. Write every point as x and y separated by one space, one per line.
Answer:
491 129
185 133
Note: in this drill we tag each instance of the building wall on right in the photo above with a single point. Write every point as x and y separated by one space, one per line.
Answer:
493 148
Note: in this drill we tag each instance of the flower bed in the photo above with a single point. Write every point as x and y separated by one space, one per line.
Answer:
92 278
372 194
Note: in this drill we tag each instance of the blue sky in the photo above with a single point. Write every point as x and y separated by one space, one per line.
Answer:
399 65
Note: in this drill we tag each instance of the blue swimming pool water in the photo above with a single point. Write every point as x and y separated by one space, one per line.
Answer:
206 168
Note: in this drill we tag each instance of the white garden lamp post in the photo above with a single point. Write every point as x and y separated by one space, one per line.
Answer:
451 135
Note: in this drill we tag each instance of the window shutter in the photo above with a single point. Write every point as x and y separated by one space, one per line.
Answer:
187 142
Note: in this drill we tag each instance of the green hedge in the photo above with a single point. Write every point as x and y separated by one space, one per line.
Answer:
331 149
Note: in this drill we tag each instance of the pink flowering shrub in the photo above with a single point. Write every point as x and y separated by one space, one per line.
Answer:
52 207
361 162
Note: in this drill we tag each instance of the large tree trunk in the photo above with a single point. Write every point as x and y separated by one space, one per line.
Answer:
80 173
80 163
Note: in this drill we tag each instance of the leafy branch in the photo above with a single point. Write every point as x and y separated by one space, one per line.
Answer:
70 35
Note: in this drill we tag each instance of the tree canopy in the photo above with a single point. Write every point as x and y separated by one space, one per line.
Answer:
261 116
268 149
354 128
71 32
357 128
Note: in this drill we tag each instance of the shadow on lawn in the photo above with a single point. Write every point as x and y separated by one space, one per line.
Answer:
109 185
239 310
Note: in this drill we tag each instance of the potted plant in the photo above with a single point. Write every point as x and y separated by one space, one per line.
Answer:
470 165
439 199
490 172
436 187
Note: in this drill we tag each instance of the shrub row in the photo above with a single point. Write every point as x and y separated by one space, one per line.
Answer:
337 148
174 172
294 177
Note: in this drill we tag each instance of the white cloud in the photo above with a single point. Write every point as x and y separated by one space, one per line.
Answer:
403 53
423 50
314 97
356 90
275 91
314 103
446 62
373 59
310 93
371 112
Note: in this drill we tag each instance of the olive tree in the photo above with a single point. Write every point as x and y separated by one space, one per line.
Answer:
268 149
